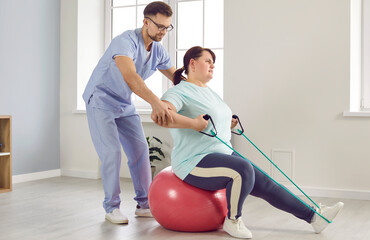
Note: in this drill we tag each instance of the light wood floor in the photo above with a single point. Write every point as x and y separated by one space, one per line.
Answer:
70 208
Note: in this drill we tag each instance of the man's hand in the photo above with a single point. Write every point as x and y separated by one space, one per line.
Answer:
161 114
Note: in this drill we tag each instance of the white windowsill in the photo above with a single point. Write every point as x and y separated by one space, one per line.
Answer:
144 114
356 114
78 111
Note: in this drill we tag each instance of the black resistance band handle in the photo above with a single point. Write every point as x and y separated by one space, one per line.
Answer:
208 117
236 117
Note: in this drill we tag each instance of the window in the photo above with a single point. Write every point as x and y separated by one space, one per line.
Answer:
200 23
360 56
196 22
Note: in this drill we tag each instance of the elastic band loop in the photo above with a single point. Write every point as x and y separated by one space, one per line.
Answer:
240 124
208 117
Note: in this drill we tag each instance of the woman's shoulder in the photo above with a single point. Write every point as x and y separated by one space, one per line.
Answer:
181 90
176 88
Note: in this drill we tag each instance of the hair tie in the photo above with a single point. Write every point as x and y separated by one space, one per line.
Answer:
183 68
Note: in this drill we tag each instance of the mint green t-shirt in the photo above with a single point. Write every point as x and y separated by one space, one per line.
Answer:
191 146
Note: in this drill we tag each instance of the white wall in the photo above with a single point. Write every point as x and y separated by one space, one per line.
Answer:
29 81
78 157
287 77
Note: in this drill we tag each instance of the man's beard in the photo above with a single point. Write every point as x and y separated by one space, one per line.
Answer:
154 38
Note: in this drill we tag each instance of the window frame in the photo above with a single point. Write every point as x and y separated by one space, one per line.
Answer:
365 61
357 79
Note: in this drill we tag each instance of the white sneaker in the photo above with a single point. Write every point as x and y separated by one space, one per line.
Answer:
318 223
143 212
236 228
116 216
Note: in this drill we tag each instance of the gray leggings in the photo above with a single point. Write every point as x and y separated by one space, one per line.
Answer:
240 178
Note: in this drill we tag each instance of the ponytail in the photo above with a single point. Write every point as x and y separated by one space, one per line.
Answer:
177 76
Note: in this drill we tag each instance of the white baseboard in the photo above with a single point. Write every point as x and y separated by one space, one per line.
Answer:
81 174
331 193
310 191
54 173
35 176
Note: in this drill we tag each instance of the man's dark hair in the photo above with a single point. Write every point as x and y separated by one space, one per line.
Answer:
157 7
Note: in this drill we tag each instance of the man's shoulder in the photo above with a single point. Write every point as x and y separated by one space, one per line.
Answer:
130 34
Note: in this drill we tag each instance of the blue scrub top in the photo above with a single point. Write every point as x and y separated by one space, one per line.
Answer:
106 88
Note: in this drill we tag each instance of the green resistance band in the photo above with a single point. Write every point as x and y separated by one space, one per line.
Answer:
277 167
271 177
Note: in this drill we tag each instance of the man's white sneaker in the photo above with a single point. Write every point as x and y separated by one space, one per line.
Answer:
236 228
116 216
143 212
318 223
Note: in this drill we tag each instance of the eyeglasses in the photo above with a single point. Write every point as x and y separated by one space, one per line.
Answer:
161 27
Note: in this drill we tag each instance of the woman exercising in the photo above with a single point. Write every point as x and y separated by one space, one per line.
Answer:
207 163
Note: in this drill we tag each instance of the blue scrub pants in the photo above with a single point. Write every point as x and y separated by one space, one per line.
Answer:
240 178
109 130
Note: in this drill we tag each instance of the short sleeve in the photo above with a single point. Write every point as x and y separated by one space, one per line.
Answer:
173 96
124 45
165 61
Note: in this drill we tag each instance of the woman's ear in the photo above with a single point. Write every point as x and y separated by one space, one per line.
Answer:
192 64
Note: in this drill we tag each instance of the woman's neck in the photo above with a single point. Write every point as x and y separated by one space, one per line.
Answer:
196 82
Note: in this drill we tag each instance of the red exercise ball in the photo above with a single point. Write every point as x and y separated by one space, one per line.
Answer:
179 206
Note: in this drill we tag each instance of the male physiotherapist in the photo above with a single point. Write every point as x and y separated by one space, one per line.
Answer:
130 58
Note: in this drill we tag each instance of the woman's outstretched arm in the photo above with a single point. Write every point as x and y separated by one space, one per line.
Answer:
180 121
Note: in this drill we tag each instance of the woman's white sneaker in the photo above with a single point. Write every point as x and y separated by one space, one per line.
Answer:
318 223
236 228
116 216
